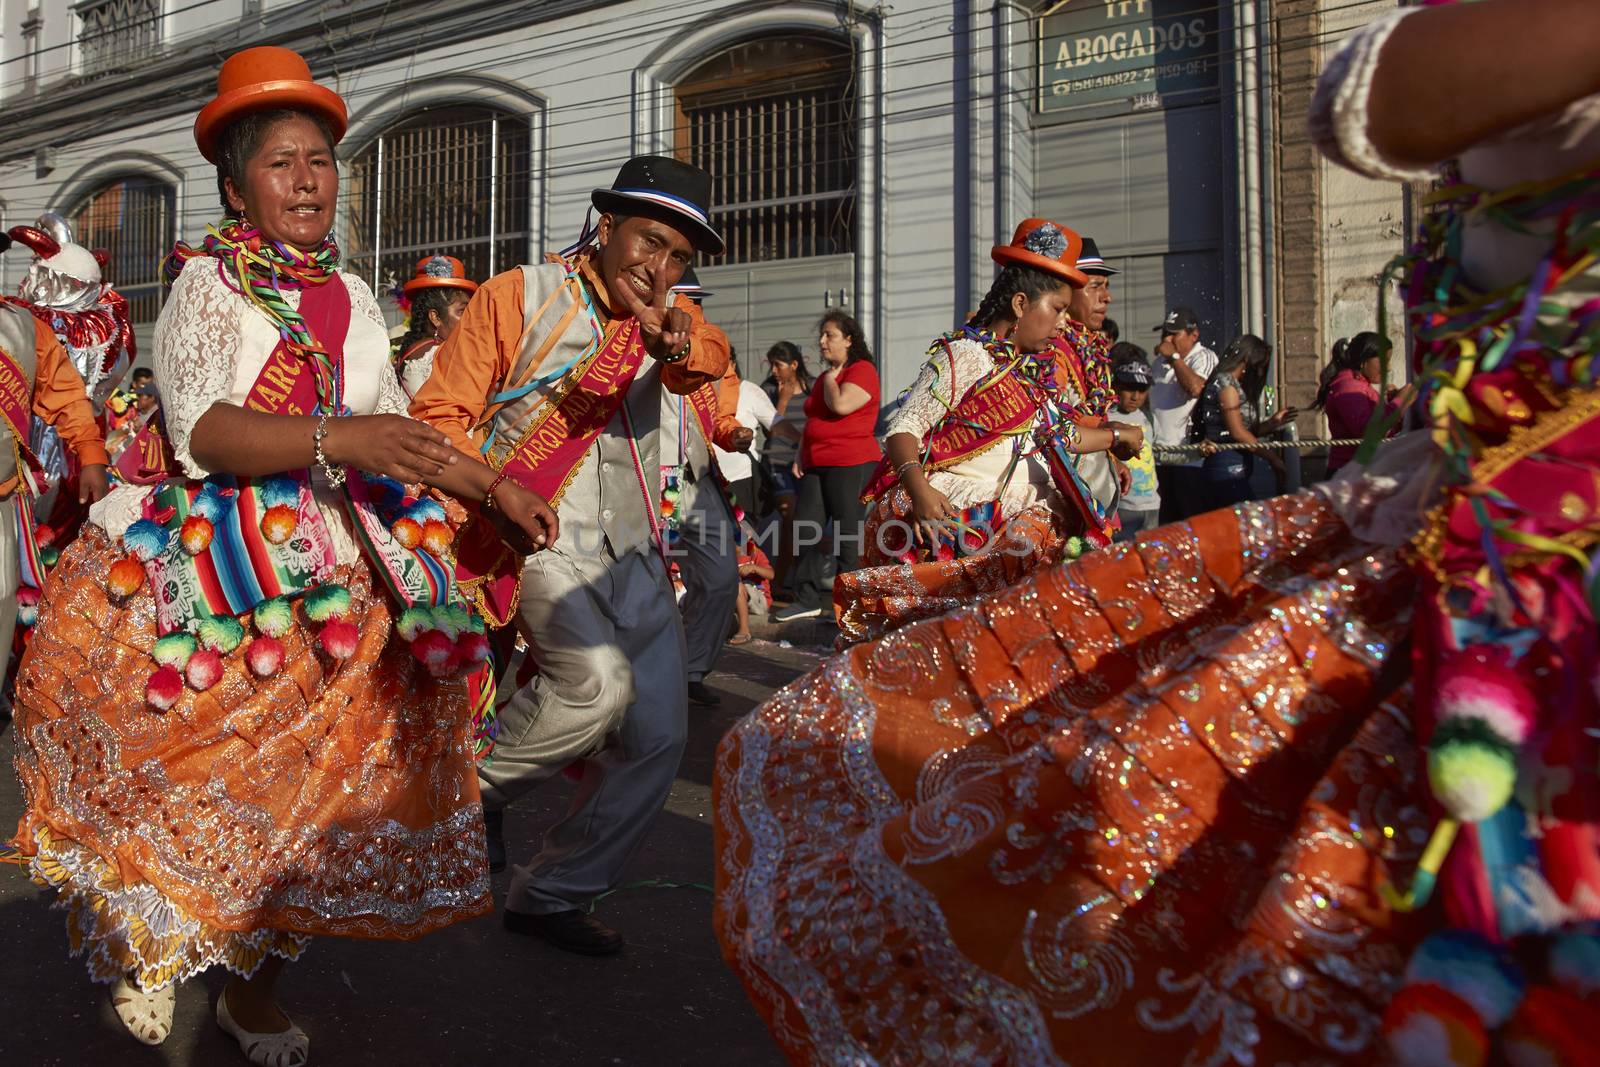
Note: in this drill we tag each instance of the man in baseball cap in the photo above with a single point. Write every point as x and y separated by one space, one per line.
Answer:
1182 365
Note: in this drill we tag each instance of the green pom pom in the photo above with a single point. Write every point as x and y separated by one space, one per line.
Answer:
1472 771
1075 547
327 602
413 623
173 650
221 633
452 619
274 617
475 623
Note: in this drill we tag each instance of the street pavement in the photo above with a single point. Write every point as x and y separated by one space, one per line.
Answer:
470 992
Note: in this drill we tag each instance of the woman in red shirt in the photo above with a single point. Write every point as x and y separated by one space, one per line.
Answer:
837 455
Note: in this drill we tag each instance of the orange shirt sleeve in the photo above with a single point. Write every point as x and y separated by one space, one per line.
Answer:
60 399
469 367
708 354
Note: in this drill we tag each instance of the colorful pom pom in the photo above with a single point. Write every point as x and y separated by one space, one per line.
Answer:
279 492
407 531
1472 771
44 535
433 649
164 688
147 540
274 617
195 534
327 602
1479 683
436 536
1473 969
278 523
264 656
174 650
27 606
1429 1026
339 638
1075 547
414 622
204 669
220 633
452 620
50 556
1551 1027
472 648
426 510
125 578
1574 962
209 505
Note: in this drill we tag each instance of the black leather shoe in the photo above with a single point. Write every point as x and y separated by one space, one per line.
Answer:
494 825
702 695
572 930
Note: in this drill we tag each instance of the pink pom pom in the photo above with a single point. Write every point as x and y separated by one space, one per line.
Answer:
449 668
472 648
433 649
164 688
265 656
1479 683
204 669
436 537
408 532
339 638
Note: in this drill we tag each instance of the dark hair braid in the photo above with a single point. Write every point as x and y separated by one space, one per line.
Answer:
436 299
1009 282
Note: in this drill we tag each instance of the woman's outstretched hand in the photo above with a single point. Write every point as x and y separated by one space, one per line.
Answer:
391 445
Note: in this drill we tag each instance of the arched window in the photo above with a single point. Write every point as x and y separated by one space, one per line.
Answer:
134 218
452 180
773 121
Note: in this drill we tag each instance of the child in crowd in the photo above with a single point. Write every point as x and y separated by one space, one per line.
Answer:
755 587
1141 502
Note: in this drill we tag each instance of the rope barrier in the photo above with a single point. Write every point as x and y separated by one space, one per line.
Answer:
1259 446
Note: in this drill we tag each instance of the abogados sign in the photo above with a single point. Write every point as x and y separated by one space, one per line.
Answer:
1093 51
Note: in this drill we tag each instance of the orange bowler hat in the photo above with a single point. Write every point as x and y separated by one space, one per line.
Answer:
259 79
1044 245
440 272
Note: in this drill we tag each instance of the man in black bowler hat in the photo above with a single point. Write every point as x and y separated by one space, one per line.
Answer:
555 376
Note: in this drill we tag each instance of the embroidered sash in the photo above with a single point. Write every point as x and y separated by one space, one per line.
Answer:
997 408
148 458
545 459
16 402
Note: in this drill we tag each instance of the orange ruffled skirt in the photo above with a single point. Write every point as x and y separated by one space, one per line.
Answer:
1134 810
885 593
330 798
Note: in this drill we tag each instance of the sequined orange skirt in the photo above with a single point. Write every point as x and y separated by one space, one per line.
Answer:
885 593
330 798
1134 810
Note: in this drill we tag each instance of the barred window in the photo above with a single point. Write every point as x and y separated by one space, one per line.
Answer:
773 121
117 33
134 219
453 181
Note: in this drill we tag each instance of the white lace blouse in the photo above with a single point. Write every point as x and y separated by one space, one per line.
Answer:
210 346
978 478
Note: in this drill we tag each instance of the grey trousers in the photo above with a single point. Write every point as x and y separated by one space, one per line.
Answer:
609 646
707 556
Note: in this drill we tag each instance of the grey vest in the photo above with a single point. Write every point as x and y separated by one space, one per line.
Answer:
17 340
604 504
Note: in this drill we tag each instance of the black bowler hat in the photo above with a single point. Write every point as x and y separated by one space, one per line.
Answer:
664 189
1090 261
689 286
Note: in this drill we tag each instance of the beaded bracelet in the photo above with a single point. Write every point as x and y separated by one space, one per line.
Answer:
488 494
900 471
334 475
679 356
